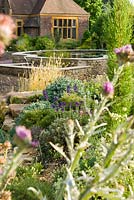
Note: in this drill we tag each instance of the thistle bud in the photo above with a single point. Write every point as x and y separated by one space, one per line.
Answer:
108 89
123 53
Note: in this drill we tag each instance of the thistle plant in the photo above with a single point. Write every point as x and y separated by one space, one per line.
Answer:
115 156
119 153
8 166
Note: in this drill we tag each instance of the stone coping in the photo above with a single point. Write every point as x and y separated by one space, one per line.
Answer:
62 50
35 54
17 66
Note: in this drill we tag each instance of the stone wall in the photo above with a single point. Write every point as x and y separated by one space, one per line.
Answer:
82 26
94 69
45 25
9 74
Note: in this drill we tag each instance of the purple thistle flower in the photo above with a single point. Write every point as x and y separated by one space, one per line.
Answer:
45 94
24 137
108 89
125 54
35 143
23 133
124 49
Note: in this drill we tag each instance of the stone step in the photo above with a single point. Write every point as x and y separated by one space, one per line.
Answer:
23 97
16 109
8 123
3 99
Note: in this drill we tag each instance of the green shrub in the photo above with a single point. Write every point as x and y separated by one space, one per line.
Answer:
86 35
23 43
30 171
71 100
12 46
28 177
33 122
19 100
43 43
69 44
4 136
92 91
20 191
86 44
118 32
39 117
56 133
61 85
122 102
40 105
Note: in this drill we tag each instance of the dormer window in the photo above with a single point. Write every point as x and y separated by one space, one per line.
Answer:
66 28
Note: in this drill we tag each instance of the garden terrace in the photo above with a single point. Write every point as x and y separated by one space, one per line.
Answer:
80 64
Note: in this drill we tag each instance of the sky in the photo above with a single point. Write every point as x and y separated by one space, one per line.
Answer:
132 1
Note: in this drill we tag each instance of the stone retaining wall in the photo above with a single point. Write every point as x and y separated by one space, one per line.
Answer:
83 69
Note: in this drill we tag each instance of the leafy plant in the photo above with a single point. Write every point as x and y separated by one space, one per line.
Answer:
71 101
43 43
19 188
20 100
118 32
56 133
69 44
55 90
39 117
23 43
3 111
39 105
29 171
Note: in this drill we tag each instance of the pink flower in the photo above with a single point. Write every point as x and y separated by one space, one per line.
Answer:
7 27
35 143
124 54
24 134
23 137
108 89
2 48
127 49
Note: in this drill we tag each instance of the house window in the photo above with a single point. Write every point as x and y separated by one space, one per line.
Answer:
19 27
65 28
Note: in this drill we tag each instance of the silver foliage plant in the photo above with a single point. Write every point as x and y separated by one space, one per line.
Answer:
116 156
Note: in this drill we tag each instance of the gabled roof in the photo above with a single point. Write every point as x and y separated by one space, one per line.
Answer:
62 7
27 7
24 7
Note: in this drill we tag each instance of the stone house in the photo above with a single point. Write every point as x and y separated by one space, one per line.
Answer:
47 17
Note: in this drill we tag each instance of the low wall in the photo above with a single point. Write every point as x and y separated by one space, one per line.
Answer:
94 68
86 69
78 68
